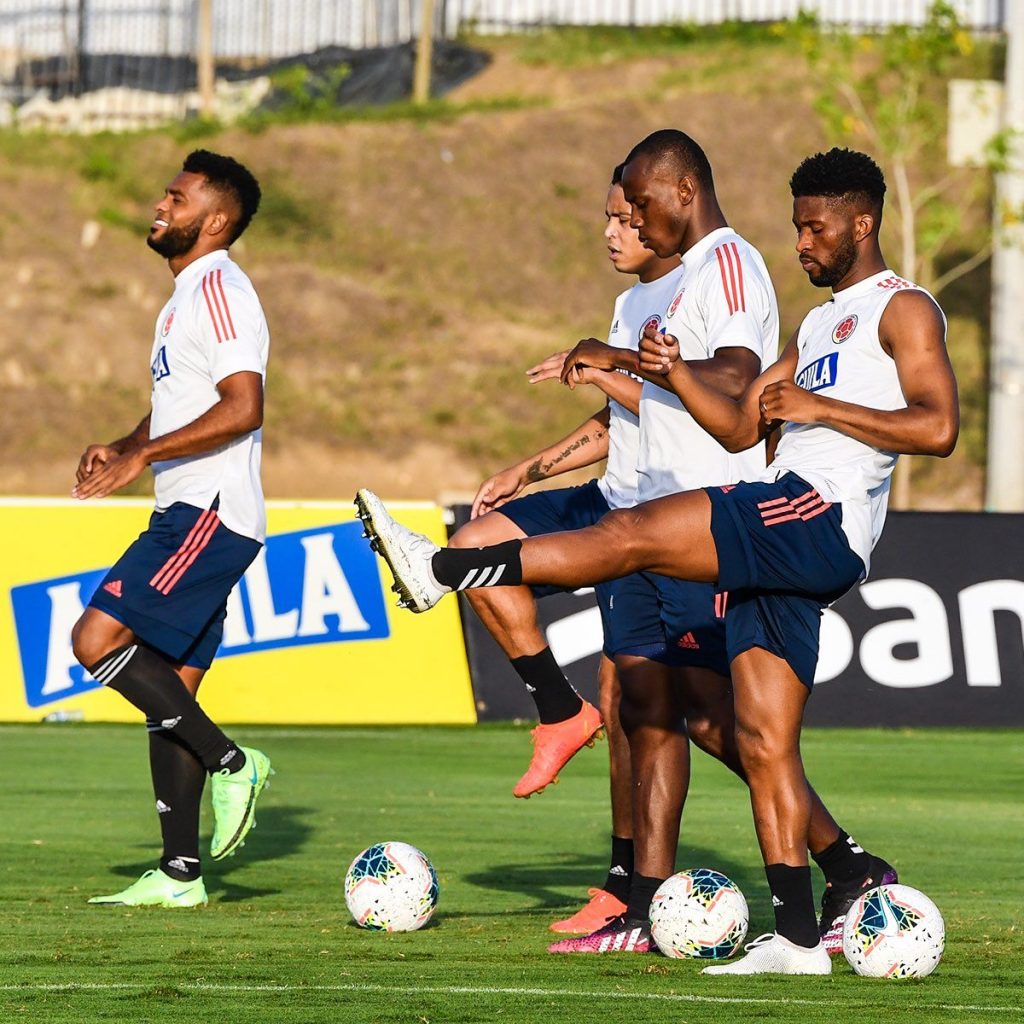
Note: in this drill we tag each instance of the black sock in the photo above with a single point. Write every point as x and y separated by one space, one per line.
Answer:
641 892
461 568
620 872
795 918
553 694
843 861
147 680
178 780
184 869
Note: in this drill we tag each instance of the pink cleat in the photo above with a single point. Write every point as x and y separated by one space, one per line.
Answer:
622 935
554 745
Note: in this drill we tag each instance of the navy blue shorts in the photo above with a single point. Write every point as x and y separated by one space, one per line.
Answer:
575 508
675 622
782 557
170 588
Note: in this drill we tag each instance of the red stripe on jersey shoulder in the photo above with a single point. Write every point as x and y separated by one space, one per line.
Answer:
725 280
739 275
208 295
227 309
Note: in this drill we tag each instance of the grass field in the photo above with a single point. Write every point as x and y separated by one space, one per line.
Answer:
275 944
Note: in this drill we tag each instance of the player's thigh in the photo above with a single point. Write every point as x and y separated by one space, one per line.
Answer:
492 528
96 633
670 535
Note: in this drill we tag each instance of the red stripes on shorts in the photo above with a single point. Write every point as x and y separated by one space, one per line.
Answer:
721 601
783 510
174 568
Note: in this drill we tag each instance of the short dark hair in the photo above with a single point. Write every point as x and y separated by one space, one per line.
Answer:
678 150
841 174
617 174
230 178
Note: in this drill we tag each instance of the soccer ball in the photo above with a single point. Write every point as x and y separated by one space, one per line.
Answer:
893 931
698 913
391 887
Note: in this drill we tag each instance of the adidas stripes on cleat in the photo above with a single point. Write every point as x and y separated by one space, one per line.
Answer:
621 935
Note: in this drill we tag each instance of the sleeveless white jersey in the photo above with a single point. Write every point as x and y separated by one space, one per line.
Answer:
634 309
841 357
724 299
212 326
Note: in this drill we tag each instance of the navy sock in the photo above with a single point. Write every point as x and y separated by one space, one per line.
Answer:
553 694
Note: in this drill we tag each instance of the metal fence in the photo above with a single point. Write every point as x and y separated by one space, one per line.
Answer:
89 64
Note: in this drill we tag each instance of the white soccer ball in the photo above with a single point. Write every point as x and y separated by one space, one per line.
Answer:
699 913
894 931
391 887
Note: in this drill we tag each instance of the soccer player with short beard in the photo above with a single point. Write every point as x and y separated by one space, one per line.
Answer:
153 626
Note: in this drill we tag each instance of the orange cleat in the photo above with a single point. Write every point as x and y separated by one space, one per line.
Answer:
554 745
602 908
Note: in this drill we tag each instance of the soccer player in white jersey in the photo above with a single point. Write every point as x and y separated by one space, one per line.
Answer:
566 721
725 315
865 378
153 626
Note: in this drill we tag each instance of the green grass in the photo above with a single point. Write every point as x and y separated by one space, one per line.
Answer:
276 944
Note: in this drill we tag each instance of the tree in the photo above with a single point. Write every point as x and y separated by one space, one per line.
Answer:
886 92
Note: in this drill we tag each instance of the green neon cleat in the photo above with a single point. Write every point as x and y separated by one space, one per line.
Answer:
155 889
234 802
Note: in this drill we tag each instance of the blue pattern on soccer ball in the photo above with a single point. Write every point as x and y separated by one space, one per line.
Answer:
706 884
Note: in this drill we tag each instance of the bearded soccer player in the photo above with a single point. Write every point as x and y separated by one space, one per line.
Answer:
866 377
153 626
566 721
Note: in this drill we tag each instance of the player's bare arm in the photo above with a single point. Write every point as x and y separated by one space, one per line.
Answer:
912 332
239 411
737 423
97 455
585 445
621 387
730 370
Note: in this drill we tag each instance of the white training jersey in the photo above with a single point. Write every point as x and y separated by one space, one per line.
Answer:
840 356
211 327
724 299
635 308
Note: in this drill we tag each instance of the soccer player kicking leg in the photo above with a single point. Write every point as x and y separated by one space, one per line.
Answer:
153 626
865 377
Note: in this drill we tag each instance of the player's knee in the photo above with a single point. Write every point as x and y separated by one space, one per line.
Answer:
488 529
761 750
622 529
85 643
91 639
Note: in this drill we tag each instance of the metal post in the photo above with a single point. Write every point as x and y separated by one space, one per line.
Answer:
204 60
1005 483
424 54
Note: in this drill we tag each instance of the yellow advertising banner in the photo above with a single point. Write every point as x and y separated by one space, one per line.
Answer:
312 634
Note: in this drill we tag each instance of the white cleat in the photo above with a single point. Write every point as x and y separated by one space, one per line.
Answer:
772 954
407 553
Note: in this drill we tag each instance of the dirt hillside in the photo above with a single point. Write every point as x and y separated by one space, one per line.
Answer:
410 270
